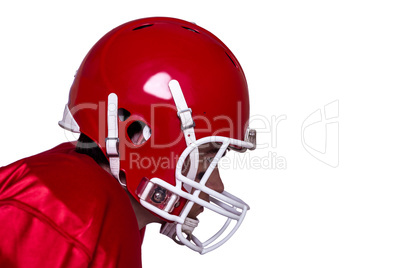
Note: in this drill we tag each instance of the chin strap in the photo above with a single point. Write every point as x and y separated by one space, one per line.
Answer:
112 140
169 229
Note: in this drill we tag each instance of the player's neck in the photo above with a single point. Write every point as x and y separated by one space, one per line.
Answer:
144 217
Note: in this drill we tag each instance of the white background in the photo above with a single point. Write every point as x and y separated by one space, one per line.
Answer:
298 57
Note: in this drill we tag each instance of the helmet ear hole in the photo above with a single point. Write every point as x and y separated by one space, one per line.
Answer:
138 132
123 114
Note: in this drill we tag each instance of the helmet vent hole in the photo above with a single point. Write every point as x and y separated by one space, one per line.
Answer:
123 114
138 132
190 29
142 27
230 58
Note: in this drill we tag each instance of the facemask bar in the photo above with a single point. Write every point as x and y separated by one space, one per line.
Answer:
204 247
223 203
163 210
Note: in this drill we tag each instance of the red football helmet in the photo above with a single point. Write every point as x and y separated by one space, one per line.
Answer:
150 93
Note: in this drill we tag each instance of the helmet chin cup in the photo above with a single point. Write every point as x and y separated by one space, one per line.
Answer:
169 229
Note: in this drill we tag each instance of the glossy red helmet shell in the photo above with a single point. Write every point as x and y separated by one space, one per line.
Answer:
136 61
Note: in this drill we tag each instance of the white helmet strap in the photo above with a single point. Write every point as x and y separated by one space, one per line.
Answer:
112 140
187 126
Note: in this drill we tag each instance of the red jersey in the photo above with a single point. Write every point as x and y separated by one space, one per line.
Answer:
61 209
